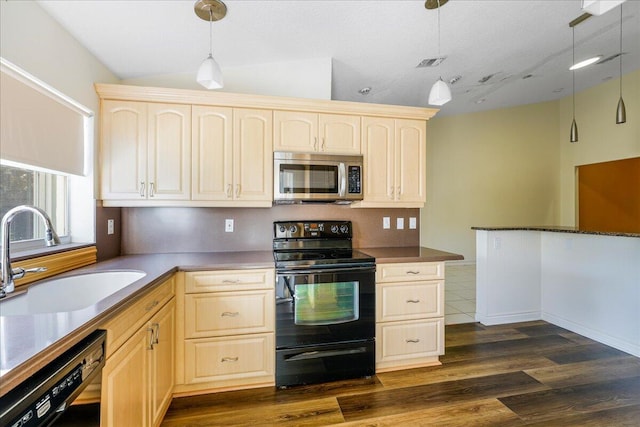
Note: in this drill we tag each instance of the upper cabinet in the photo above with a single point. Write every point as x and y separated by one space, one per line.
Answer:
232 155
175 147
312 132
394 153
146 151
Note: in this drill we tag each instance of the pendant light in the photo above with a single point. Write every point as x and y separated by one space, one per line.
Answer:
573 137
209 74
440 92
621 111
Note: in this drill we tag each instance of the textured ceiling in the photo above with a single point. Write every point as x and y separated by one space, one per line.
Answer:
508 52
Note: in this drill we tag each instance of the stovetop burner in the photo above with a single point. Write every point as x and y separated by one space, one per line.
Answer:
315 244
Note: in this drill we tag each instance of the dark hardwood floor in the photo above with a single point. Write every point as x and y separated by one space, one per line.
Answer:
533 374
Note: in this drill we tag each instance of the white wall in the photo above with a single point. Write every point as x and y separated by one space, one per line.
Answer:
309 78
497 167
34 41
516 166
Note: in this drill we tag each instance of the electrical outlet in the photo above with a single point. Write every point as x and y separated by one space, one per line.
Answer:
228 225
386 222
110 226
399 223
412 223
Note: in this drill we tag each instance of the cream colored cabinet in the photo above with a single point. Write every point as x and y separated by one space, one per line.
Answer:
226 334
394 153
232 160
145 151
409 315
138 376
312 132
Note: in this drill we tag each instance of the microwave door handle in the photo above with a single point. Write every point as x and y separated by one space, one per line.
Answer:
342 174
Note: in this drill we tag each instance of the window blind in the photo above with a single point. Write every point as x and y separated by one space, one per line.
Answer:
40 126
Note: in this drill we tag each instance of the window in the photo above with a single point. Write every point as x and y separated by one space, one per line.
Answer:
48 191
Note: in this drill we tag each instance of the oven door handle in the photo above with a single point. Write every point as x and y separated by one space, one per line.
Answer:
324 271
307 355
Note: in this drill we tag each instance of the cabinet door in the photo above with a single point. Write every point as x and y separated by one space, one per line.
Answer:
410 160
339 134
123 150
378 151
162 362
124 397
169 152
212 148
295 131
253 155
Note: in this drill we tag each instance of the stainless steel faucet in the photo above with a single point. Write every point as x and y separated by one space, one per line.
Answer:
8 273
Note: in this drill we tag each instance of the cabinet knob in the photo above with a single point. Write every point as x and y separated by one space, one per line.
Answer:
413 301
228 191
412 341
413 272
152 189
142 187
237 190
229 359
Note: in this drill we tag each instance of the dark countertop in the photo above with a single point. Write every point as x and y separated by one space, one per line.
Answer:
558 229
410 254
29 342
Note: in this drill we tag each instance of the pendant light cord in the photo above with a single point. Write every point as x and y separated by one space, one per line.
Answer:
210 32
620 51
573 72
438 28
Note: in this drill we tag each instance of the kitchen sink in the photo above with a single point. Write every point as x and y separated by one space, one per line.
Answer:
68 293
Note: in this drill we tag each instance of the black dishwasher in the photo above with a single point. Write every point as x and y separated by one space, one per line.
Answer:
43 397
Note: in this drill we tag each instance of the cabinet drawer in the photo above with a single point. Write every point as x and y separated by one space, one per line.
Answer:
409 272
121 327
399 341
223 359
229 280
229 313
409 300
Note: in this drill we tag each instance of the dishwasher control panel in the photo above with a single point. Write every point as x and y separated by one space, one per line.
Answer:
42 398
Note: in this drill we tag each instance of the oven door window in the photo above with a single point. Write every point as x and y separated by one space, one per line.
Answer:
296 178
326 303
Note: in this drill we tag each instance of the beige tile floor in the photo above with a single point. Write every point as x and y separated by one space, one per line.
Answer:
460 293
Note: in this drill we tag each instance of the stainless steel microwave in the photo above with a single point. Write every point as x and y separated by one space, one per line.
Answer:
300 177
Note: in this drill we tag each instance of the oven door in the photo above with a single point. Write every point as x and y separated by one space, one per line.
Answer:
324 306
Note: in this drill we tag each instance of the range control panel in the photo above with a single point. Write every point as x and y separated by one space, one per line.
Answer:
312 230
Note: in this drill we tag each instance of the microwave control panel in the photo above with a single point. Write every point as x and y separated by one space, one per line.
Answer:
355 180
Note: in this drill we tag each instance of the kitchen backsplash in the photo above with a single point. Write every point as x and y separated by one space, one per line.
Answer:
153 230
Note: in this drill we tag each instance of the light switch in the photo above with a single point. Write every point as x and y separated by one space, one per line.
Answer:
110 226
412 223
400 223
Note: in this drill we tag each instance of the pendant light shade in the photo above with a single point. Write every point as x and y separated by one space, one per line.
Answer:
621 111
440 93
209 73
573 136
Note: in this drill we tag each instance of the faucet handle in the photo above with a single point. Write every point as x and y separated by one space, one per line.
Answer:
19 272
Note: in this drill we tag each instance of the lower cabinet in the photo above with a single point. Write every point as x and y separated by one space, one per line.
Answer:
225 334
409 315
138 377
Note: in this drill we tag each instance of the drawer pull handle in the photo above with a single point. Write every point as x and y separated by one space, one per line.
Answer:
413 272
413 341
230 281
229 359
230 314
413 301
151 305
